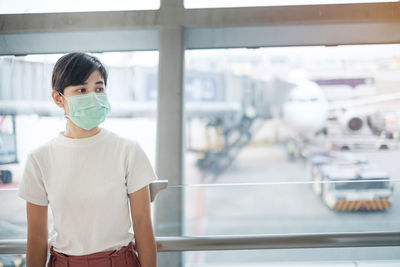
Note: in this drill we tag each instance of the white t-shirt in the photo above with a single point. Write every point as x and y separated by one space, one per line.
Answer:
86 181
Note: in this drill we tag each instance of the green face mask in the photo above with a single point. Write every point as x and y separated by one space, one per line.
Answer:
88 110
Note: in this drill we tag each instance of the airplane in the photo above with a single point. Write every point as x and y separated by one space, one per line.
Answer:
307 109
307 112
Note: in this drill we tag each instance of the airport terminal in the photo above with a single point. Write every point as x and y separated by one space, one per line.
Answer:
266 132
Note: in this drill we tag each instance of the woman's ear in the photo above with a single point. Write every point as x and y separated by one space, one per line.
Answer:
58 99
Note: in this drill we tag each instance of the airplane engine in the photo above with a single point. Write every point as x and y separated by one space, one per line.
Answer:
354 124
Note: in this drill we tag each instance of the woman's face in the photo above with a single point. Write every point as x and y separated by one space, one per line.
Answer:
94 83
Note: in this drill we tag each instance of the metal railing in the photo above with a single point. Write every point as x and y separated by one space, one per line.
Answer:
189 243
154 187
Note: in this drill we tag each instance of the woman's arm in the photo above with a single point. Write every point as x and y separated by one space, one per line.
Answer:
36 252
143 229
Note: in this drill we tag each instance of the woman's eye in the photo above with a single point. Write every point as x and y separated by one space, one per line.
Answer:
81 90
100 89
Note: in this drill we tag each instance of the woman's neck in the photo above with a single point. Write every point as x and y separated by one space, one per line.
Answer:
74 131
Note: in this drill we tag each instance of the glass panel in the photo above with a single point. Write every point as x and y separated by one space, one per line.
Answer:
288 208
12 260
13 224
51 6
329 257
291 113
248 3
29 117
12 216
291 140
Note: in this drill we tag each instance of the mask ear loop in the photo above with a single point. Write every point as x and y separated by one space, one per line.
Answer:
60 94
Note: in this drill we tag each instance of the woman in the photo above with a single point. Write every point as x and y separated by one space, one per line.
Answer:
90 177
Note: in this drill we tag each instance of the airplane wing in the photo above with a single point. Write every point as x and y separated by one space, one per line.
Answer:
344 104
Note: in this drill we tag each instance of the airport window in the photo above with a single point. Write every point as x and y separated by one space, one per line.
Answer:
29 117
291 140
47 6
247 3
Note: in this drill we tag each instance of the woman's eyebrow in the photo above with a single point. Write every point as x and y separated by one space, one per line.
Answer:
99 82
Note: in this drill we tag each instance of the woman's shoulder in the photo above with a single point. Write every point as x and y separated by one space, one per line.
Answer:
42 150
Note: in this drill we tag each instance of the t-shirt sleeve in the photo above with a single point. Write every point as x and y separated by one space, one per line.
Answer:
139 171
32 187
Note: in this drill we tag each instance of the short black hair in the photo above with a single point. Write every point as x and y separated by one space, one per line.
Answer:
74 69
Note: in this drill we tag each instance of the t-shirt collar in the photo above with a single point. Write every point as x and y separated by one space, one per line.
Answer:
62 139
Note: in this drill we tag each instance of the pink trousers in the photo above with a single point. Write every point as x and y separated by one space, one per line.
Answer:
125 257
